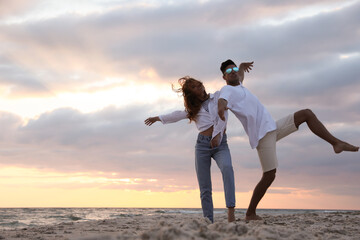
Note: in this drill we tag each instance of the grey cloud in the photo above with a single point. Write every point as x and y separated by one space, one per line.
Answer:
117 140
301 59
112 139
268 44
339 182
9 123
191 35
20 81
331 89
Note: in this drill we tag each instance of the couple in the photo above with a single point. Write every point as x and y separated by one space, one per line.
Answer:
208 111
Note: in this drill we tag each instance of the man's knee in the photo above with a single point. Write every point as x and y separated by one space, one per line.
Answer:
270 175
303 116
308 113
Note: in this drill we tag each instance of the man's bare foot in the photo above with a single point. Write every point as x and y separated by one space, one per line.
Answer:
231 214
344 146
252 217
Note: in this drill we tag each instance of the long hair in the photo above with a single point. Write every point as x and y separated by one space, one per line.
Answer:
192 102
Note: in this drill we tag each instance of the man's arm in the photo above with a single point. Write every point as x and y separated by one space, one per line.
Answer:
222 106
244 67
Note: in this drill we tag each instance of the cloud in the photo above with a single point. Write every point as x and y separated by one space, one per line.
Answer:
15 7
117 140
19 82
66 138
301 61
114 43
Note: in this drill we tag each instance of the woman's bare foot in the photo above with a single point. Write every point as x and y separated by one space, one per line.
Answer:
252 217
231 214
344 146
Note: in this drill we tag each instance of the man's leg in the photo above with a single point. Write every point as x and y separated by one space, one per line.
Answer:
223 159
259 192
306 115
266 150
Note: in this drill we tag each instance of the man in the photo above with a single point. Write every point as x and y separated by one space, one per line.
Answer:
262 130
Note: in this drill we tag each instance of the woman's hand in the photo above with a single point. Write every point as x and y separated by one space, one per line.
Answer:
215 142
151 120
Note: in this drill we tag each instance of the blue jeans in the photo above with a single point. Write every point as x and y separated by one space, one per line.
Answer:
221 154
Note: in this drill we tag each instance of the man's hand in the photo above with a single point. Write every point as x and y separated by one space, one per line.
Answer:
222 106
246 66
151 120
215 142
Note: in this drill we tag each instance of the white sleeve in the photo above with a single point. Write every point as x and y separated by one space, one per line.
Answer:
225 92
173 117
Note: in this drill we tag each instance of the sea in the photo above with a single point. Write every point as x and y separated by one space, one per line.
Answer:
15 218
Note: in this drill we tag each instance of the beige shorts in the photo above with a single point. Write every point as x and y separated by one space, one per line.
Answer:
267 145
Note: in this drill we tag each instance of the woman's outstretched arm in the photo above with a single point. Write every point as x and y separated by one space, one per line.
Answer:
167 118
151 120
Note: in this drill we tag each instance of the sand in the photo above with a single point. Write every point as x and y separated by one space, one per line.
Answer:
335 225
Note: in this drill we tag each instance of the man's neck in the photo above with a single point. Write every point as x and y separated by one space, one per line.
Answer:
233 84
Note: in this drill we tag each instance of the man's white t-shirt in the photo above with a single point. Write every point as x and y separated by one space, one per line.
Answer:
254 117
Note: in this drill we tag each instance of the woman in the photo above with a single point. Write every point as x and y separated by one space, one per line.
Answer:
201 108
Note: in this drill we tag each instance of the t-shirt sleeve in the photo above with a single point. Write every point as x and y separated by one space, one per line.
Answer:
225 93
173 117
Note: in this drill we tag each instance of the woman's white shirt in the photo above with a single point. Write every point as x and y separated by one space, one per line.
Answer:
204 119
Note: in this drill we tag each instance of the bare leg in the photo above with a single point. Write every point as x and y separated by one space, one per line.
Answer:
231 214
306 115
259 192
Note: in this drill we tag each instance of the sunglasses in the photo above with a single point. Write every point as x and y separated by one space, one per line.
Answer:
229 70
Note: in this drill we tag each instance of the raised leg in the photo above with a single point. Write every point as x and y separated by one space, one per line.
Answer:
306 115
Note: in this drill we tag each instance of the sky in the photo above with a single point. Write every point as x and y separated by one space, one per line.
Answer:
78 78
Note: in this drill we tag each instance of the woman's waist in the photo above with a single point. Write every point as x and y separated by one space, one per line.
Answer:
208 132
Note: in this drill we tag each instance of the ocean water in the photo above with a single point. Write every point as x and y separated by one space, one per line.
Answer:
12 218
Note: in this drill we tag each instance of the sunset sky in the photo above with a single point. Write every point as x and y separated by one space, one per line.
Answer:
79 77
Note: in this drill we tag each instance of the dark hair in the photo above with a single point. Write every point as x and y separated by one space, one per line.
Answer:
192 102
225 64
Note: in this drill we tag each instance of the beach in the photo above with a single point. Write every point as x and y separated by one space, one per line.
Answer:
178 225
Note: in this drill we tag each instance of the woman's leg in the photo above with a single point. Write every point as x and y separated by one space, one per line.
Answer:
202 165
306 115
223 160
